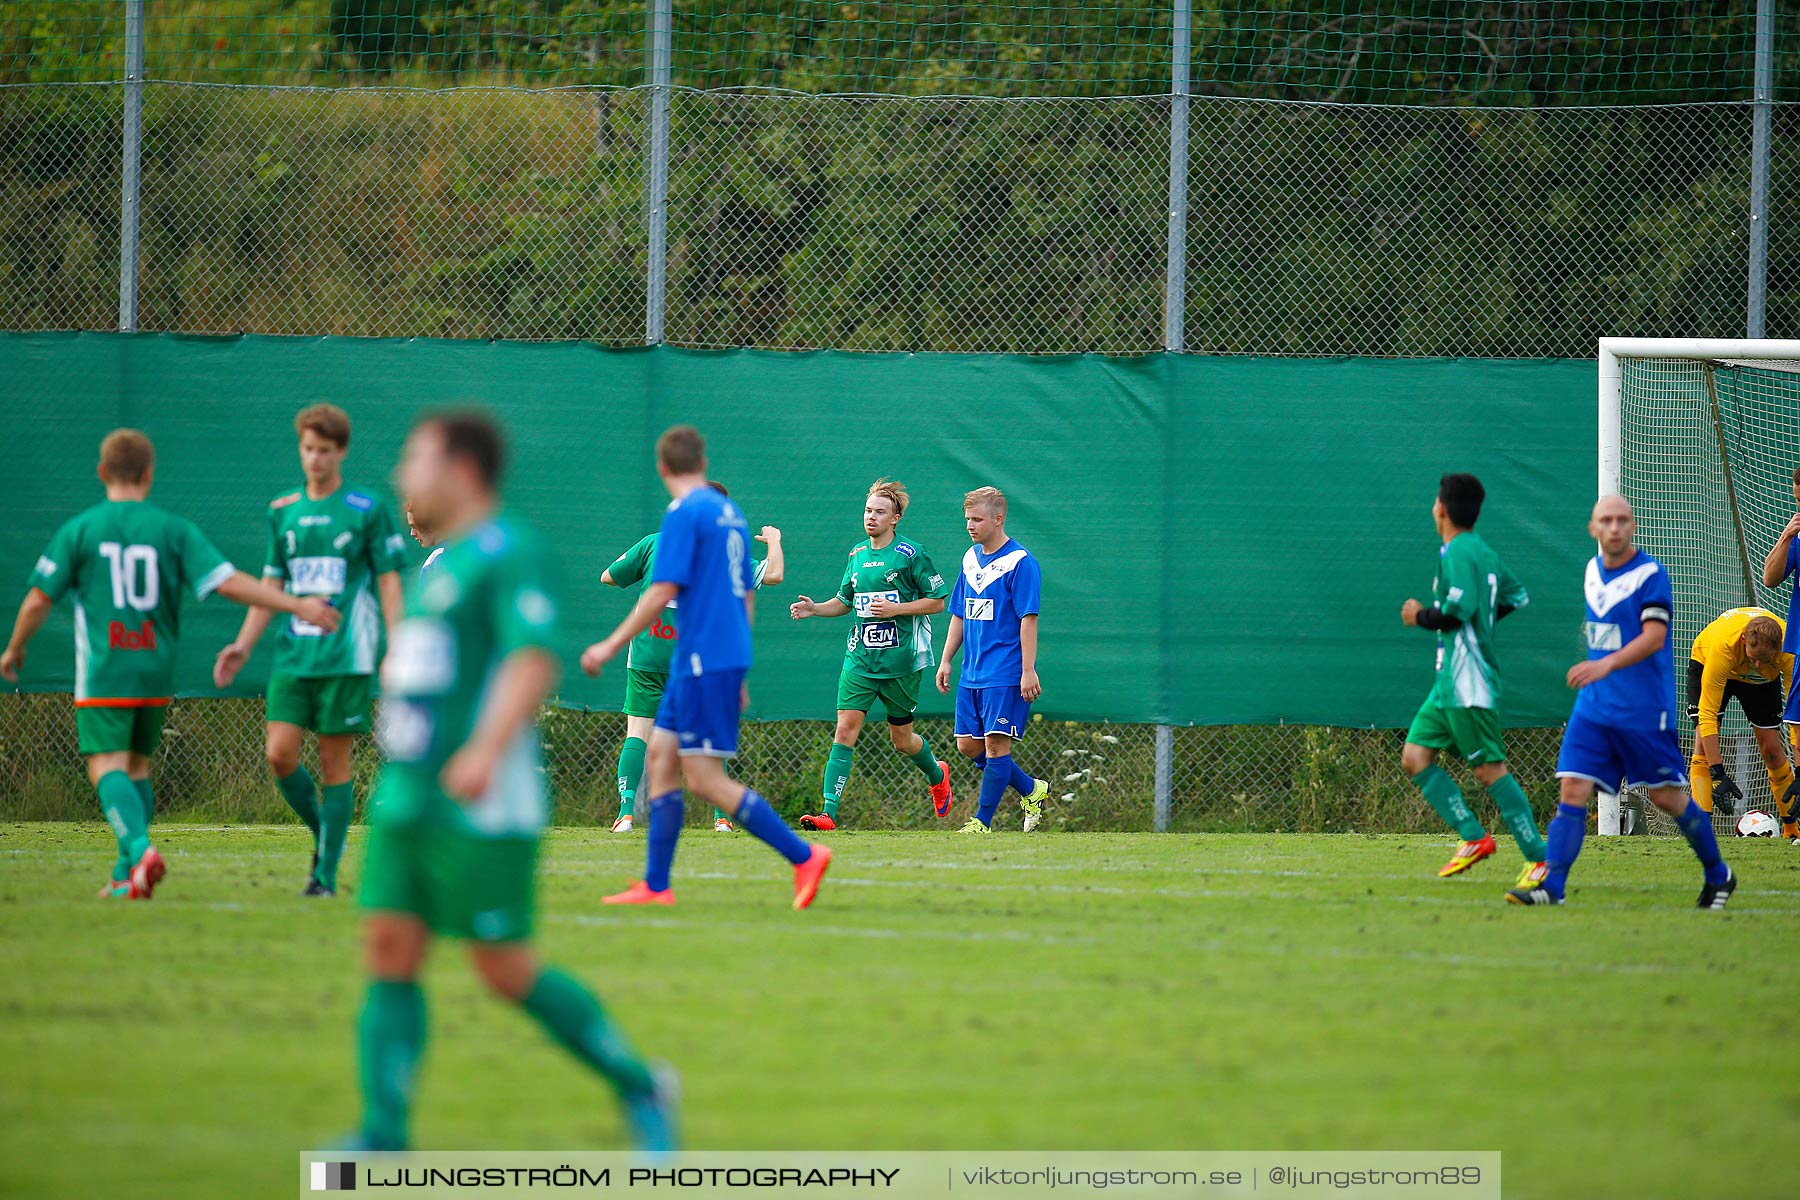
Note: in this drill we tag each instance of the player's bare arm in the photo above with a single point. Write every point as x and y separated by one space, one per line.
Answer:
952 644
393 603
1029 687
237 652
775 563
806 607
250 591
520 688
33 611
649 606
1635 651
1775 566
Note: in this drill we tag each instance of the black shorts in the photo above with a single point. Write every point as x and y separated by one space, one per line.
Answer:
1763 703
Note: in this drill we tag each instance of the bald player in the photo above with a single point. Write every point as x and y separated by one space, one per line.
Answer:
1623 726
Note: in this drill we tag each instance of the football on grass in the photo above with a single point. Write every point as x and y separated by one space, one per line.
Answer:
1756 824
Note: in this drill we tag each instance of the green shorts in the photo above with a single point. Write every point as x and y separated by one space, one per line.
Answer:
461 885
644 692
1472 734
107 730
326 704
899 696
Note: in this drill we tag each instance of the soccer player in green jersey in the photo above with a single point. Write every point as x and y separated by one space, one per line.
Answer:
342 543
893 588
461 803
647 664
128 564
1472 591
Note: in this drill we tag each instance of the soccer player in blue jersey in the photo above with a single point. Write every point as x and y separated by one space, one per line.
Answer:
1623 726
702 563
994 622
1784 562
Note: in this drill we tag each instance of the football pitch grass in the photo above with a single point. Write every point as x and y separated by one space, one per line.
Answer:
1069 991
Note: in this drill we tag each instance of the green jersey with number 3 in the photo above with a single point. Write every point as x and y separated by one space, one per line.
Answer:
128 563
654 649
899 572
1472 584
488 596
336 548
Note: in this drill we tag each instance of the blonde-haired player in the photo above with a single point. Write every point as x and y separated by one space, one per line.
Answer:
889 582
1739 655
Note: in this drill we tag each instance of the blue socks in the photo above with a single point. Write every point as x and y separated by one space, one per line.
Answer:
666 812
759 820
1562 844
1696 827
1021 782
996 775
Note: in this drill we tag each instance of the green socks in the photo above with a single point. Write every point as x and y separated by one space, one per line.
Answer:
925 759
390 1038
336 812
1515 810
1442 794
837 777
147 794
573 1016
631 771
124 809
297 790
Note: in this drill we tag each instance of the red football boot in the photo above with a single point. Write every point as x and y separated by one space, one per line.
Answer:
147 874
809 874
941 797
640 893
822 821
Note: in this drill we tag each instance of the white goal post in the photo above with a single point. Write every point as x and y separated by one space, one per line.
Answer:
1702 435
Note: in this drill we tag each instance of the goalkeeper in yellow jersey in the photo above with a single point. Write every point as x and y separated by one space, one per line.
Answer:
1739 655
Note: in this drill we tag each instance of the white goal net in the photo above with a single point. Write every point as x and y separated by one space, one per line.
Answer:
1703 437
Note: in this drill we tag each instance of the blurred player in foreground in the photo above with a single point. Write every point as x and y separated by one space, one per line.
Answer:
891 585
994 622
1623 726
1739 656
129 565
340 543
461 804
702 562
1472 591
647 664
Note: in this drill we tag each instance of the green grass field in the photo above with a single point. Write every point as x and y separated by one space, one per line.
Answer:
1074 991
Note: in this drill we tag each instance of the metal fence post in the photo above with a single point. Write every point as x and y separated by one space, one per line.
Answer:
1165 777
1762 121
1175 285
656 183
131 166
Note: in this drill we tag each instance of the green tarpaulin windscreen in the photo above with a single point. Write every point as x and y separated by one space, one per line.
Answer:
1223 540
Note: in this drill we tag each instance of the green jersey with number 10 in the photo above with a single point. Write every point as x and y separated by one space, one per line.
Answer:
128 564
1471 585
900 572
335 547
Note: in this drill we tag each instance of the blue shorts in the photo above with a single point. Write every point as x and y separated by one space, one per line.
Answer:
1792 715
981 711
702 710
1607 756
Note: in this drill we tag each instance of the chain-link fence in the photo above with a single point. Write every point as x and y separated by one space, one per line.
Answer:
1301 778
1408 177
